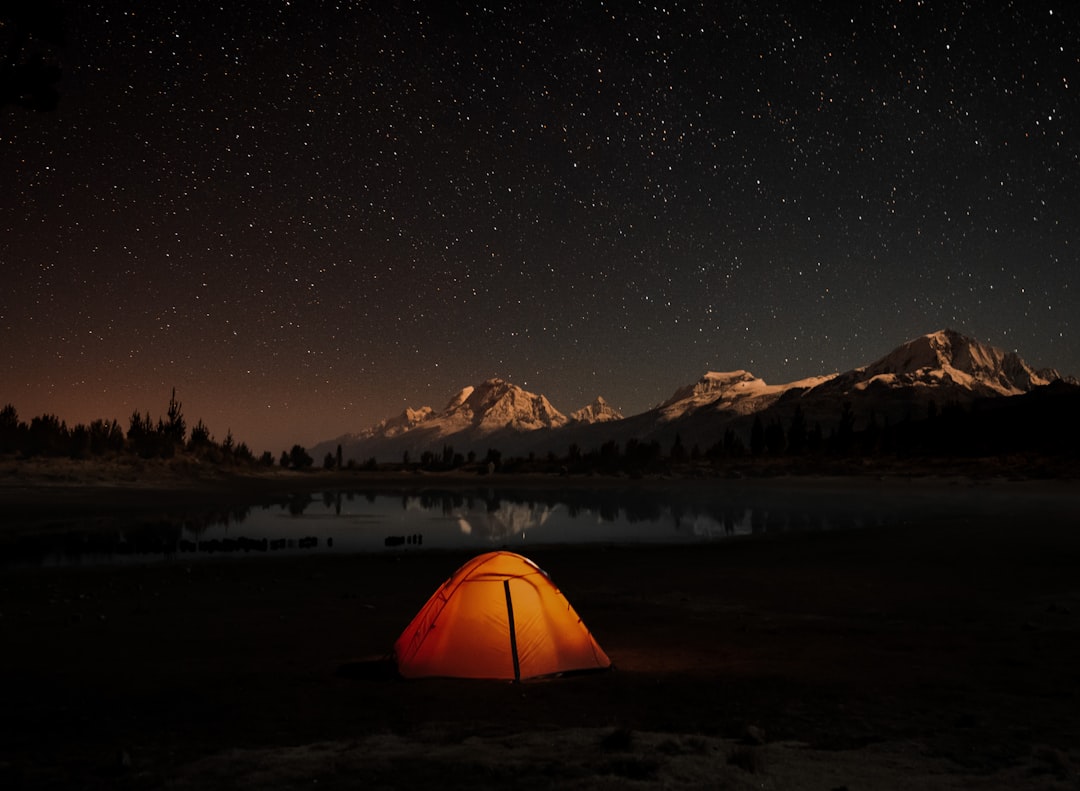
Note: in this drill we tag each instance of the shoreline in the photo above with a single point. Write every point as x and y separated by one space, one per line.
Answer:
23 478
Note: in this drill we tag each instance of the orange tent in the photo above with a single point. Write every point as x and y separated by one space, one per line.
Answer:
498 616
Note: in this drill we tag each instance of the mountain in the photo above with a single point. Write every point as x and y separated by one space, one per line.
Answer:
936 369
496 405
948 359
599 411
920 375
469 421
737 392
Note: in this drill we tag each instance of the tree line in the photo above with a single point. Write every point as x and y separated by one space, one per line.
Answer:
49 436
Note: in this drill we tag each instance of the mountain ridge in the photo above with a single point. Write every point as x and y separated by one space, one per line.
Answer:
943 366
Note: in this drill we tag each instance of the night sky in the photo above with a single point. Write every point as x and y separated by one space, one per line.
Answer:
306 216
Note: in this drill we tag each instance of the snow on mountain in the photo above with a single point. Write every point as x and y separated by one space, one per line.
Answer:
460 398
599 411
950 360
474 413
941 366
405 421
738 392
496 405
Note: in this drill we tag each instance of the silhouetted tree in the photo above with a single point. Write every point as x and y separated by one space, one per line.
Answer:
299 458
639 457
137 428
328 461
243 453
79 444
733 444
609 451
339 456
757 436
175 427
48 436
9 429
871 436
678 452
284 460
143 437
796 435
200 436
105 437
774 438
845 430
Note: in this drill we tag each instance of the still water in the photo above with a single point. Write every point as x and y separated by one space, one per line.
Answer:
483 519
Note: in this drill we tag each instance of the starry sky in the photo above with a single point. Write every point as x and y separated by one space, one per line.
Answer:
306 216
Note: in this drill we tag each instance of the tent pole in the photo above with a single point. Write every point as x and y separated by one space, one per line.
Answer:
513 632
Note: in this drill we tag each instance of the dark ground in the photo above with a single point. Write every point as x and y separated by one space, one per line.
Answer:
958 641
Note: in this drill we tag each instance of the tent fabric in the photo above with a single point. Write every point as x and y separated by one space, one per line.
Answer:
499 616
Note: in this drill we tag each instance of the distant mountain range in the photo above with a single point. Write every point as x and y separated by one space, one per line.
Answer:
940 368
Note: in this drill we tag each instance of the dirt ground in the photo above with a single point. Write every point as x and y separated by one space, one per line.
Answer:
927 656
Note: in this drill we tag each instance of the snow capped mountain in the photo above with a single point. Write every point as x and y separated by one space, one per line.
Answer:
943 366
599 411
496 404
472 415
715 385
963 360
951 361
403 422
738 392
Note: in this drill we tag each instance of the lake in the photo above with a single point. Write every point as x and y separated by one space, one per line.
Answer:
488 518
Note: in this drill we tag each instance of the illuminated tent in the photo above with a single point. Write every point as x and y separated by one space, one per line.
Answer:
498 616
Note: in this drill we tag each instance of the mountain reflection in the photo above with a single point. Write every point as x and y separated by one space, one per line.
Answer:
374 520
502 521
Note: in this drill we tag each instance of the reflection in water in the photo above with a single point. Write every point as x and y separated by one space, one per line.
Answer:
502 520
370 520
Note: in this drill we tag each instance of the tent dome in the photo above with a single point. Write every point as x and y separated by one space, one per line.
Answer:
499 616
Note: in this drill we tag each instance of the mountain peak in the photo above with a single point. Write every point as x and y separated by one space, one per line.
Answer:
711 386
459 399
599 411
948 355
497 404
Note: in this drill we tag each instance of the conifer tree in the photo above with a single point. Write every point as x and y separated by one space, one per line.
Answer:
175 428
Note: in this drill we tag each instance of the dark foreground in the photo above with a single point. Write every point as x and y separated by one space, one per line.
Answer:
933 656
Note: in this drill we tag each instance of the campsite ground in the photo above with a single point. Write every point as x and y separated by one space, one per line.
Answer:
924 656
